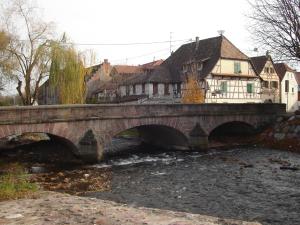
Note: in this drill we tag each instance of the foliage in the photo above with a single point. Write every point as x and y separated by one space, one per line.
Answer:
25 58
14 183
67 73
192 92
275 26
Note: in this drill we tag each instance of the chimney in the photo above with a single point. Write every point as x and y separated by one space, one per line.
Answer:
197 43
106 65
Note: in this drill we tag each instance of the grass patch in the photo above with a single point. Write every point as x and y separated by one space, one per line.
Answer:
15 182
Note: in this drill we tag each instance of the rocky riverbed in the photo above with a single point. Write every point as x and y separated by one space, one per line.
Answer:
55 208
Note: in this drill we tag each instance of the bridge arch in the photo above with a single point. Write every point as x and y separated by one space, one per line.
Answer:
232 128
161 132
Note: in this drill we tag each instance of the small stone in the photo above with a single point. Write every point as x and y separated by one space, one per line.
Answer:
279 119
86 175
14 216
60 174
279 136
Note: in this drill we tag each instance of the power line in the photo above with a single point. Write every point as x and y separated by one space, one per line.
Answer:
118 44
146 54
133 43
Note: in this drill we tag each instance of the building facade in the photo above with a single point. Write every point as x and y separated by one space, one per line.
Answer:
221 71
264 66
289 86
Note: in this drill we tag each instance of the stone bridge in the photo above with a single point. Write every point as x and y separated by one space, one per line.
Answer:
88 128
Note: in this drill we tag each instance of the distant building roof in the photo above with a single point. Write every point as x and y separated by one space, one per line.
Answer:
259 62
152 65
282 68
125 69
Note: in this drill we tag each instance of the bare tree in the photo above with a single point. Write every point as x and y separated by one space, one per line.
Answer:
275 26
27 55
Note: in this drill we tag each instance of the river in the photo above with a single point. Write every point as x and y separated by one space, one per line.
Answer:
240 183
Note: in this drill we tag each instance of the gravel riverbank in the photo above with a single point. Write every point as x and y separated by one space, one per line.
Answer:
56 208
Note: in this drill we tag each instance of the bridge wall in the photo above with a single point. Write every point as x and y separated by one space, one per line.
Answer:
91 127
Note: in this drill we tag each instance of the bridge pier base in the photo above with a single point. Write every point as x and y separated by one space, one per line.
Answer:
89 149
198 143
198 139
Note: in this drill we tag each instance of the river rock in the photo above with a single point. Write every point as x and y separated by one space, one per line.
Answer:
279 136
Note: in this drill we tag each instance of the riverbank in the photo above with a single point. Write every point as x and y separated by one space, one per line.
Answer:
56 208
284 135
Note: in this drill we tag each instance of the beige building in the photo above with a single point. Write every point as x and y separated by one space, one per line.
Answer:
264 67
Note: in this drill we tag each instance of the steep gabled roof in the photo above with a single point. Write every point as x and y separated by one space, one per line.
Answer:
207 50
259 63
297 76
281 69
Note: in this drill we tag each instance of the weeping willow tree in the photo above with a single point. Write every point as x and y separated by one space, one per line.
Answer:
67 72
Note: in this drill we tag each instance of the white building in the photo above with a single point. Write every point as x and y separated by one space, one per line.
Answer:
289 86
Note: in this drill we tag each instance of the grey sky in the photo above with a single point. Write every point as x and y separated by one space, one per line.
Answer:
120 21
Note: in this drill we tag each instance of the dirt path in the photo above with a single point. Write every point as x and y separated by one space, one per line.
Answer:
55 208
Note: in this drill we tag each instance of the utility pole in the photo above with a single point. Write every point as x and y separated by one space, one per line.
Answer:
171 42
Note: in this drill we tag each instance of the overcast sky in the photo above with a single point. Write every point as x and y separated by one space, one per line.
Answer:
135 21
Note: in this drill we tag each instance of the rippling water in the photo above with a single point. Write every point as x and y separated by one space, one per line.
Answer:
243 183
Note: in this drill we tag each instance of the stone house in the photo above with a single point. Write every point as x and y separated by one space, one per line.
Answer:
223 73
264 67
289 86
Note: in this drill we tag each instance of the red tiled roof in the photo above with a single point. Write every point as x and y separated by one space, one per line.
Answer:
125 69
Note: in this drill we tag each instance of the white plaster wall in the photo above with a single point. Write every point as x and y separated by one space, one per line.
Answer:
138 89
290 98
122 90
161 89
227 66
149 89
236 91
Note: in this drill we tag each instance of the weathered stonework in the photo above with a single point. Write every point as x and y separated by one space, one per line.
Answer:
88 128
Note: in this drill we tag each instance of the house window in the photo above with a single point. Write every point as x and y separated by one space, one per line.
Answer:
266 69
272 70
223 87
167 92
266 84
249 88
286 89
237 67
274 84
134 89
143 88
177 89
155 88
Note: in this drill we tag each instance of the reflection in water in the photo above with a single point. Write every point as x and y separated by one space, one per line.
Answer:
244 183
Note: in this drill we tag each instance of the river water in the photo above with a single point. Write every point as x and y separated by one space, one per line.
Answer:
241 183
